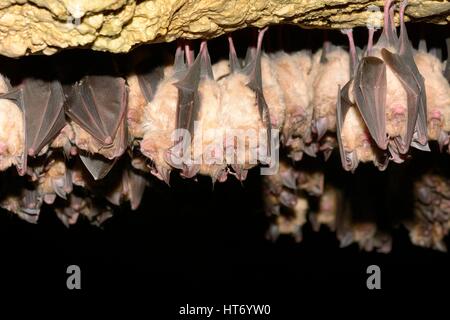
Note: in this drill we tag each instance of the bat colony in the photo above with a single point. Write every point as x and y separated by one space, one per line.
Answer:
104 131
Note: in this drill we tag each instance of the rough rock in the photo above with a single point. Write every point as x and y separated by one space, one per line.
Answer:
46 26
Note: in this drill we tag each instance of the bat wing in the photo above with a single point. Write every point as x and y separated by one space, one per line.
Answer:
188 99
97 165
41 103
370 97
136 187
98 104
348 160
400 68
447 64
253 71
405 49
149 81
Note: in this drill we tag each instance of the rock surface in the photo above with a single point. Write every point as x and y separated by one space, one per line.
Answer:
46 26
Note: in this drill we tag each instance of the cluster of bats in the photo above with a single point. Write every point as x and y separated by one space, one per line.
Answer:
88 124
361 215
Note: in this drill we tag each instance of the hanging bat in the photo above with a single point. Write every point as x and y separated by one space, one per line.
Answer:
160 118
330 69
437 90
272 92
69 211
297 96
245 110
142 83
20 197
403 102
330 203
42 117
55 179
130 187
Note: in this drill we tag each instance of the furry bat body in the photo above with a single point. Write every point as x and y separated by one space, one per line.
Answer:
297 96
437 90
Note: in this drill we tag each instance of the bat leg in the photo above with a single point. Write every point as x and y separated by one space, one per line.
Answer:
353 53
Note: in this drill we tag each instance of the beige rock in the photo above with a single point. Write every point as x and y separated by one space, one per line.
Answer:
46 26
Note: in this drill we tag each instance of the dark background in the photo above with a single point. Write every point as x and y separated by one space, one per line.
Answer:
191 244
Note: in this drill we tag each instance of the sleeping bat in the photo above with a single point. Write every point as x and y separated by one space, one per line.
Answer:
20 196
330 69
160 118
245 111
297 96
199 113
431 211
38 122
142 83
130 187
55 179
69 211
291 221
394 114
272 92
437 90
330 203
96 106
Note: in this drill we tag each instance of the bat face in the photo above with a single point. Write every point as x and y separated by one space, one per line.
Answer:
55 180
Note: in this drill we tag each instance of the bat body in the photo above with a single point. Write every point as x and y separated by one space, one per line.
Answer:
220 69
12 138
437 90
297 97
272 92
159 123
55 180
329 206
136 106
326 76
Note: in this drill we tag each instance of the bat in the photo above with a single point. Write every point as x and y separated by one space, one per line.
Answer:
97 105
130 187
244 109
327 73
55 179
69 211
330 203
142 83
20 197
41 104
294 84
160 118
437 95
404 98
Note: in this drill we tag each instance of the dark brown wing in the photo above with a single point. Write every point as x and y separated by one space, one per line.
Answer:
98 104
370 97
